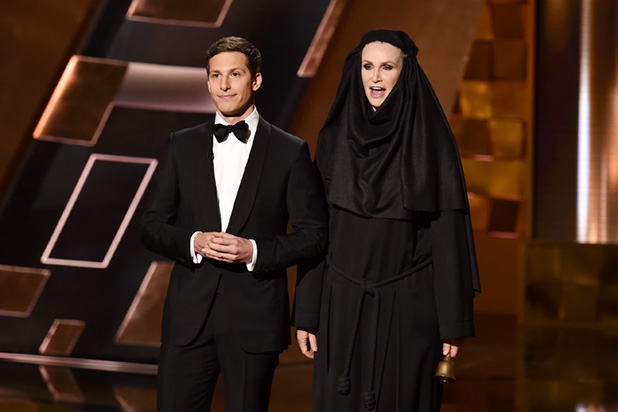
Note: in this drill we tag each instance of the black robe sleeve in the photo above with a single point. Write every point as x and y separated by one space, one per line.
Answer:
453 275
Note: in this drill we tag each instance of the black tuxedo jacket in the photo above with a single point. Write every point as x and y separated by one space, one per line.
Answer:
280 185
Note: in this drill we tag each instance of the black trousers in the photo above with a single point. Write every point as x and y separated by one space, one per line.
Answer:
188 374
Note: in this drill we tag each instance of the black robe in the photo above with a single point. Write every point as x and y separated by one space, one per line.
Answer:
415 313
401 273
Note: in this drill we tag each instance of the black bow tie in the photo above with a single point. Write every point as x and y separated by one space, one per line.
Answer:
240 130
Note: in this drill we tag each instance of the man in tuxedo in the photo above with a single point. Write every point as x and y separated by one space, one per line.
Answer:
220 204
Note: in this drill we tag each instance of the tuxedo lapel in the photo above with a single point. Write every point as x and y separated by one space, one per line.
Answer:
207 186
250 179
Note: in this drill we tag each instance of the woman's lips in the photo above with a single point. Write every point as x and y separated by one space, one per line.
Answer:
377 92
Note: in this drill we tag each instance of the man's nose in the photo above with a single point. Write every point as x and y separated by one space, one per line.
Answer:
225 83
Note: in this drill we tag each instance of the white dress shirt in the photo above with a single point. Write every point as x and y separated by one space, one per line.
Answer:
230 160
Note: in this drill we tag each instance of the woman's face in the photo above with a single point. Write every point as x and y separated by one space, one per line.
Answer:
381 65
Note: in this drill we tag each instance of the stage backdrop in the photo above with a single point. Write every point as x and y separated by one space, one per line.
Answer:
75 282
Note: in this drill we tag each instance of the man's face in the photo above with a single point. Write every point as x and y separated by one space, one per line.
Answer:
232 86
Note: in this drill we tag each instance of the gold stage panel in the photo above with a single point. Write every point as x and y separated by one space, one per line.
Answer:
475 100
82 98
485 29
500 179
204 13
503 217
509 59
489 139
62 337
473 137
142 323
510 99
507 138
481 58
20 289
507 19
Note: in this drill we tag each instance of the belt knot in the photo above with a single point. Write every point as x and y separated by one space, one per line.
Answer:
368 287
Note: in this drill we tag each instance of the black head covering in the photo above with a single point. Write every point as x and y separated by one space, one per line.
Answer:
397 159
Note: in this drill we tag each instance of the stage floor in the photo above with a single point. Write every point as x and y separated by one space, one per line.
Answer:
507 367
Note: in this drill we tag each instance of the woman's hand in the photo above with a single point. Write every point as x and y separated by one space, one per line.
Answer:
307 342
451 346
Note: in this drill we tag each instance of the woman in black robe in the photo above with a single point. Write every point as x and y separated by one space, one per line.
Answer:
401 274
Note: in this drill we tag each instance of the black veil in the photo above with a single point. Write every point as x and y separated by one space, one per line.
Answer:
397 159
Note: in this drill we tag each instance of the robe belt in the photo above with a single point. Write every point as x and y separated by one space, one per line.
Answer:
367 287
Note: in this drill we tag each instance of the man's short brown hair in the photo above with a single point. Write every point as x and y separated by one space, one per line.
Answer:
236 44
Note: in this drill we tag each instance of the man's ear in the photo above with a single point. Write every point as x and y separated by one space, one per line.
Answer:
257 82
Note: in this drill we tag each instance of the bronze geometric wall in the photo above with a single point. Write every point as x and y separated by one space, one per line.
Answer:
493 122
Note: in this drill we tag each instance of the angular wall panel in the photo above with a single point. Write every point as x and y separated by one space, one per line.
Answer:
81 100
201 13
321 39
62 337
20 289
113 185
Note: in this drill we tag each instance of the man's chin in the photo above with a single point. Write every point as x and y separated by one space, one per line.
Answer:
234 112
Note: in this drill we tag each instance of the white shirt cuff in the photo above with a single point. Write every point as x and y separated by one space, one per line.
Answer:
251 265
196 257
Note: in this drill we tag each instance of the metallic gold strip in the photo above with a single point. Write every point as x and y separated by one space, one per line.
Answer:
321 39
597 173
91 364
